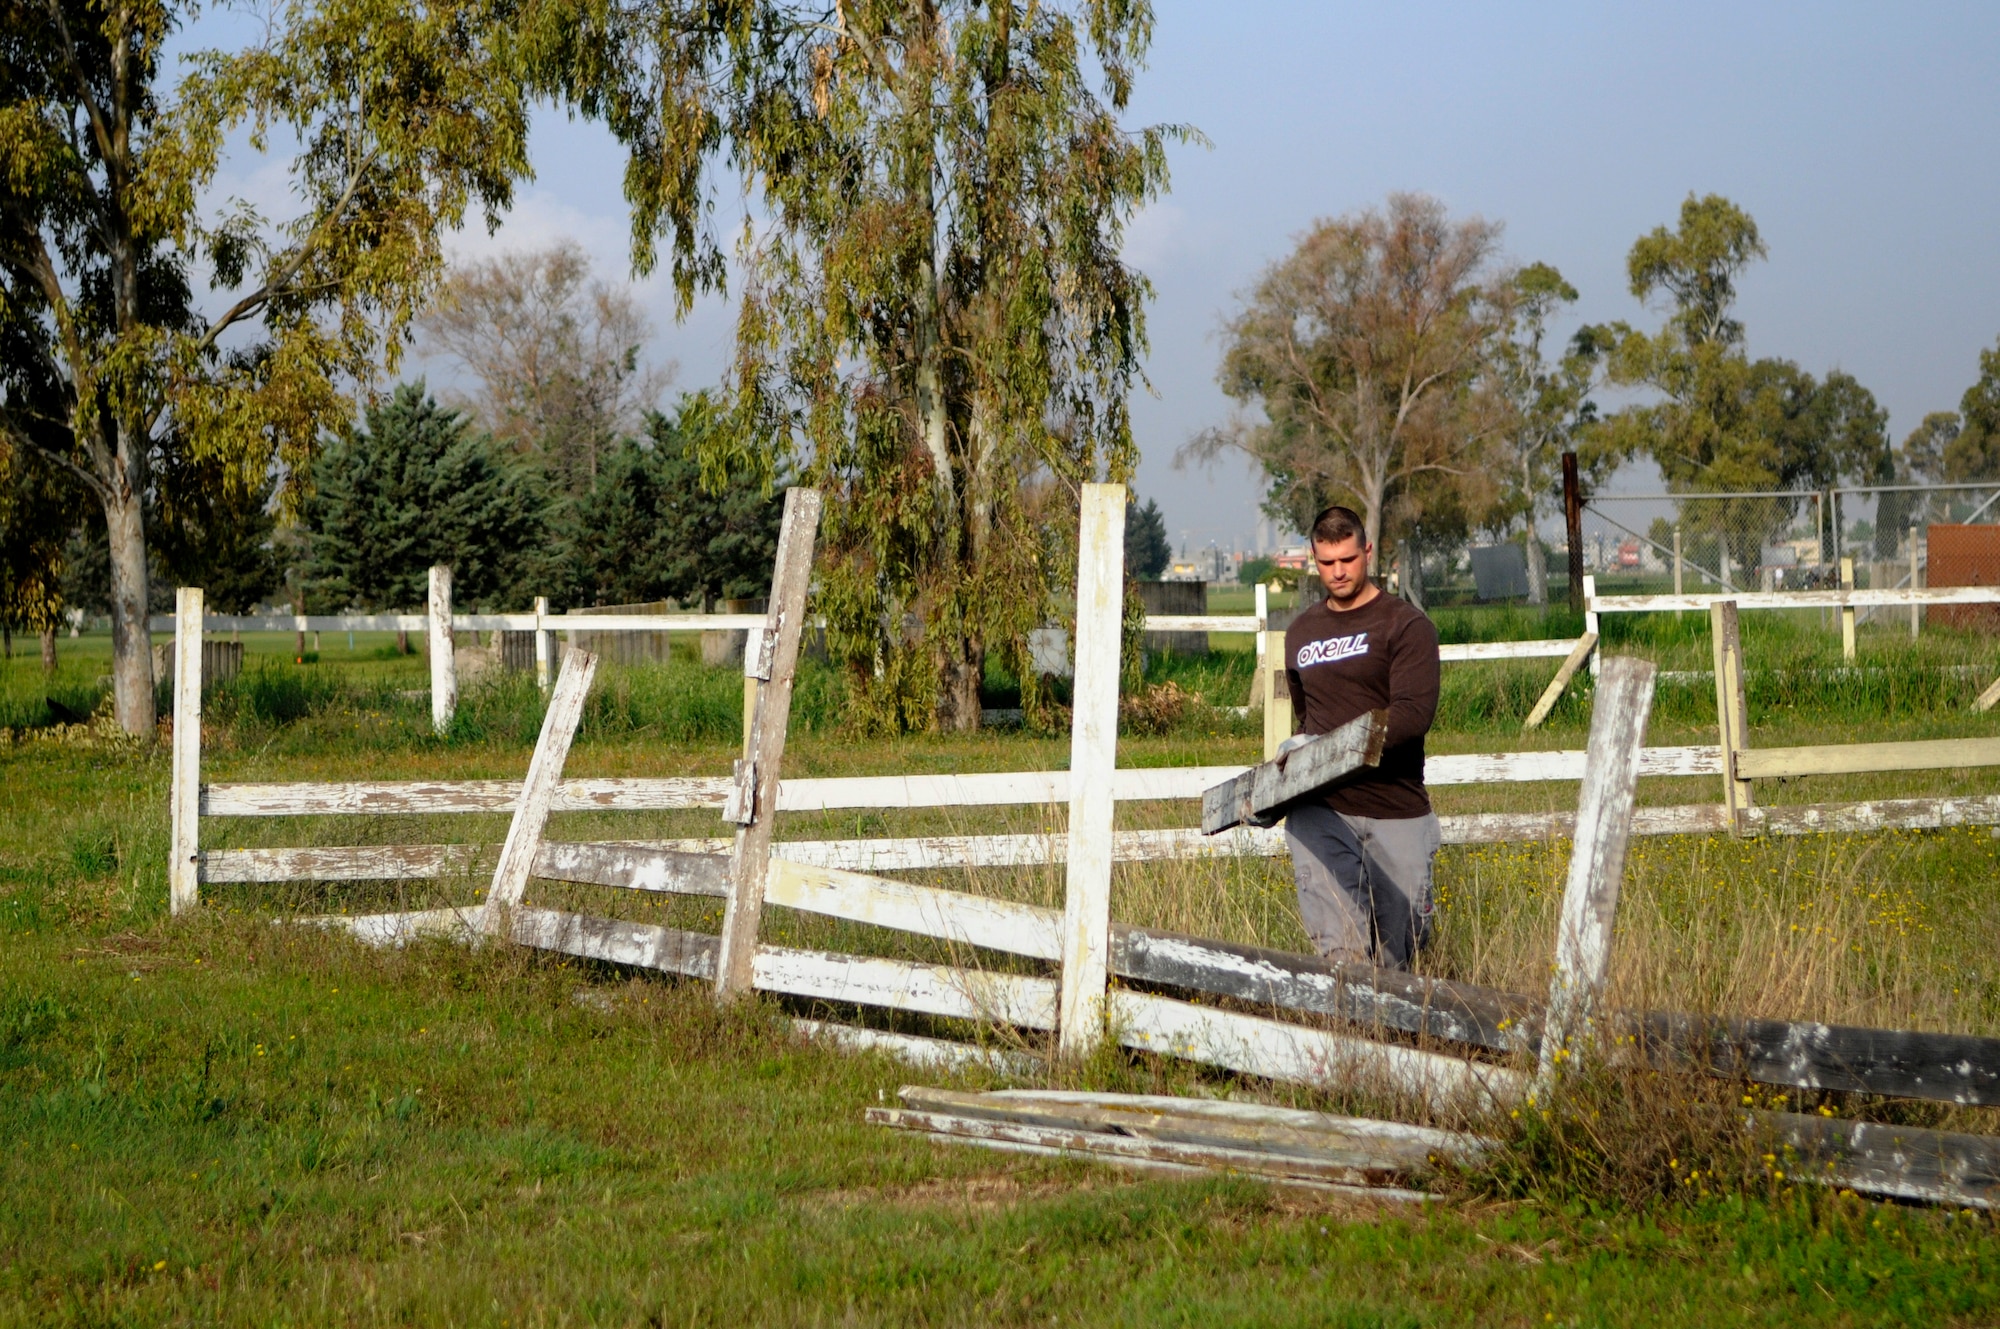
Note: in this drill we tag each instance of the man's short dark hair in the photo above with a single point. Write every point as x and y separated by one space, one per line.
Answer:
1338 524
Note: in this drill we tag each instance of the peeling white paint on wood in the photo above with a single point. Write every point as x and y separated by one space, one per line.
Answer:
1280 1051
184 796
911 1049
954 916
1619 713
969 994
1093 759
524 833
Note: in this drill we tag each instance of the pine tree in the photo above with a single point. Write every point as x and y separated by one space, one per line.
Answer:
418 486
650 528
1147 550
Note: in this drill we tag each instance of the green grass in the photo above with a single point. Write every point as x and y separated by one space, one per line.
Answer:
219 1120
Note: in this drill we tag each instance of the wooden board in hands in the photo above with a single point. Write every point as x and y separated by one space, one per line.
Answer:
1260 795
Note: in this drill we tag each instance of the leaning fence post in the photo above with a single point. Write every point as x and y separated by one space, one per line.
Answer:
184 865
1093 757
444 665
770 654
1597 860
1585 647
538 792
1731 714
545 644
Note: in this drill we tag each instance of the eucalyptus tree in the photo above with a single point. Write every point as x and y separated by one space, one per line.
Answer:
936 317
401 116
1361 350
1720 421
1548 409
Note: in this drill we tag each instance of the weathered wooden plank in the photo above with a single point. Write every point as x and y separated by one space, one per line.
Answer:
430 797
1201 623
776 663
1904 1162
1259 796
1564 673
443 662
1280 1051
1323 1137
1093 759
184 792
637 868
1888 814
1099 1144
1466 652
1362 994
401 928
1861 599
643 945
372 862
930 989
969 920
524 833
914 1050
1563 764
1597 861
1852 758
1420 1142
1948 1068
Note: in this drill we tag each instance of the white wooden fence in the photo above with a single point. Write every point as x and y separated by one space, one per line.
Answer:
838 879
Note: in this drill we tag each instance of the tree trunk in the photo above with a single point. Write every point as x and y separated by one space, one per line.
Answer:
49 651
131 642
1538 568
1412 561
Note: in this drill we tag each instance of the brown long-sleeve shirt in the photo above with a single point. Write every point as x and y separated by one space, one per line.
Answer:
1381 656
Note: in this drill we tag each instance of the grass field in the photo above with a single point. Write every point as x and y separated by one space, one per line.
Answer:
217 1120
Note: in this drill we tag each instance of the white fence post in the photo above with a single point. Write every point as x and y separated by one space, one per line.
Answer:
538 792
1590 628
444 666
1093 756
1916 611
1597 860
1847 611
184 865
545 645
771 654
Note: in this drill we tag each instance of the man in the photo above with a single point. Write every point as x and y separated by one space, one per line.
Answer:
1362 851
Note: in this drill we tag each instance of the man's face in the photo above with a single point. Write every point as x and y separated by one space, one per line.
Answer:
1343 567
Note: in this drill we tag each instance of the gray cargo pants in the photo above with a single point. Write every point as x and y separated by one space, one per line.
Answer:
1364 882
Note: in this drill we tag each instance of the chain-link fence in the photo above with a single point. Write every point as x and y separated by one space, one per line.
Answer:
1777 540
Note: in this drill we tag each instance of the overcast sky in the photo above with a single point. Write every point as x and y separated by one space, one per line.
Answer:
1857 136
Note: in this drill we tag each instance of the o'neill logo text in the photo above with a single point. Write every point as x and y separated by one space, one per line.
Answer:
1332 649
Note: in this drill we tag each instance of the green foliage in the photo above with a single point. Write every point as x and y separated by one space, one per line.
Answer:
1253 571
212 530
1147 551
653 527
403 115
416 485
1724 422
937 315
1361 349
1974 453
